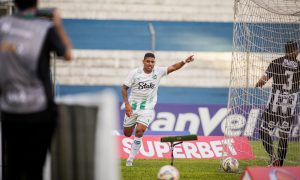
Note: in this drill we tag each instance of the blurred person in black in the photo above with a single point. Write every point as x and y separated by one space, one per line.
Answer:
28 111
280 109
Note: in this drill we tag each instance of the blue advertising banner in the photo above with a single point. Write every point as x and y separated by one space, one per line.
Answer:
203 120
208 120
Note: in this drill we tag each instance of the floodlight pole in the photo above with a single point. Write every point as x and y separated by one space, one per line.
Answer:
172 148
152 32
10 7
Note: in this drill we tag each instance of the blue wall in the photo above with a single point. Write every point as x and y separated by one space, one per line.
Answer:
177 36
167 95
134 35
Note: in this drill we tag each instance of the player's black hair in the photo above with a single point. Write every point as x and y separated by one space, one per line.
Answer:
25 4
290 46
149 55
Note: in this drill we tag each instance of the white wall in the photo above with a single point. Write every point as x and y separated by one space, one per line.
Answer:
169 10
99 67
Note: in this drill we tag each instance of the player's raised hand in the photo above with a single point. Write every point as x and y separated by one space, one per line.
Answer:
189 59
128 110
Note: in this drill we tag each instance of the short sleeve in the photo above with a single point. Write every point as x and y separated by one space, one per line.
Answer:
162 71
129 79
55 42
270 70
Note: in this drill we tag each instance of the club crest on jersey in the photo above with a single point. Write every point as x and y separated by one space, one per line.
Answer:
143 85
290 64
154 76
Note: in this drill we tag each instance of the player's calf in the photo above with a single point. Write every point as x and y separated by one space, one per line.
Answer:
140 129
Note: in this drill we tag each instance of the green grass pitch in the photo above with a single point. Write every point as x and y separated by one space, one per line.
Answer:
144 169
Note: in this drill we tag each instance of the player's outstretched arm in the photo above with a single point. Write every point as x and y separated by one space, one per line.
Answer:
178 65
128 109
262 81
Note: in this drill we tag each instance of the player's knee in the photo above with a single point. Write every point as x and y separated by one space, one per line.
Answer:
126 133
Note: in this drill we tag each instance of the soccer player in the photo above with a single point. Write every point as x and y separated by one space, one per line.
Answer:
144 82
280 109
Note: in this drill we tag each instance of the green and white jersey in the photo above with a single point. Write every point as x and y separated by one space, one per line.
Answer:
144 87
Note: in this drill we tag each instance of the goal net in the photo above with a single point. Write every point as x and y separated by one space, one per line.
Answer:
262 32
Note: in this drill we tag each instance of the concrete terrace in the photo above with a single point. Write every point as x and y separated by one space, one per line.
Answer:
160 10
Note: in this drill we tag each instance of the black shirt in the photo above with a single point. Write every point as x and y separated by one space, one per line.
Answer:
286 76
52 43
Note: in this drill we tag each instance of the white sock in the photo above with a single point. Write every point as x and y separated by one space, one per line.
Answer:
135 147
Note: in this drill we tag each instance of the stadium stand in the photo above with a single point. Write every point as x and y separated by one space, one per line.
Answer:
168 10
100 67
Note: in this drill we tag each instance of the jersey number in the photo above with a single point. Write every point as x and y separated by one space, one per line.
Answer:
288 85
285 100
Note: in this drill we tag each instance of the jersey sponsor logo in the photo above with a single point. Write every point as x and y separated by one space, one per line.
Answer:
286 102
7 28
271 124
143 85
285 125
206 147
290 64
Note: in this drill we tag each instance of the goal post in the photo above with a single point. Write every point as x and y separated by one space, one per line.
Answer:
261 30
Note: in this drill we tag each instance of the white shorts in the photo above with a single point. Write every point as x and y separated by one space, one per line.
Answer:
139 116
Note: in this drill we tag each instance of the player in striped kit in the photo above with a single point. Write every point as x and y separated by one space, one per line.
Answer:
139 108
280 110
